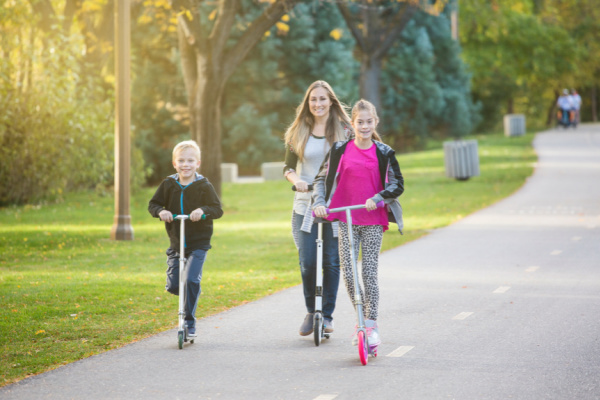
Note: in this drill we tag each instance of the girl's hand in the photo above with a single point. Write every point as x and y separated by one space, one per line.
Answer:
197 214
321 212
166 216
301 186
371 205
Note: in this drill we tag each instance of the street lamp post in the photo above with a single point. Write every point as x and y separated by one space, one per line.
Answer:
122 229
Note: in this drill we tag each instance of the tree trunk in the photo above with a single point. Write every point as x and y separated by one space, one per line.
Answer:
552 110
510 109
370 76
207 132
594 98
207 64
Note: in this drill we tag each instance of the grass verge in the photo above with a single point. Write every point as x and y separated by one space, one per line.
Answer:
68 291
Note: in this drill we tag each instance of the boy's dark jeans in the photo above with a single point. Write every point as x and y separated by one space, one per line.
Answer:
194 264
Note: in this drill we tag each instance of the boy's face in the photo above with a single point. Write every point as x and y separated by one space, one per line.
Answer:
186 163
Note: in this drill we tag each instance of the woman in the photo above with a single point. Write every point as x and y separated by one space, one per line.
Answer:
321 120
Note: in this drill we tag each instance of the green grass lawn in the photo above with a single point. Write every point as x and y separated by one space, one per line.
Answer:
68 291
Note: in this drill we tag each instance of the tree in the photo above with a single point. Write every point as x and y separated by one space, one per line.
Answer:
376 25
425 85
261 96
54 126
213 41
519 54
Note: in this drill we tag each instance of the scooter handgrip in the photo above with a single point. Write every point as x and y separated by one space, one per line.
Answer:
187 215
380 204
310 187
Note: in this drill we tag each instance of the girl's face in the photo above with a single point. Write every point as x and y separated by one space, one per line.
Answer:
364 125
319 102
186 163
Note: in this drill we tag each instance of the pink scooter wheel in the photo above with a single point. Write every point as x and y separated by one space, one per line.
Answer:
363 352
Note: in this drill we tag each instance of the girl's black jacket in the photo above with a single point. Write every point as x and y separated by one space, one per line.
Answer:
180 200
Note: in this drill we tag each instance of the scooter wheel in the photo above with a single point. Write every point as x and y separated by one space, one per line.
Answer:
180 339
363 351
318 328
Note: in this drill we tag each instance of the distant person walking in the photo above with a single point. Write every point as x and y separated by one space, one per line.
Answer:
320 121
362 170
565 105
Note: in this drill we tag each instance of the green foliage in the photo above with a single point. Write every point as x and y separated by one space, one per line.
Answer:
159 113
56 128
53 135
425 85
92 294
521 54
262 95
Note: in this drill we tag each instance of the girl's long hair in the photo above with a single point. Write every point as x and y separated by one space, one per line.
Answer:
336 127
364 105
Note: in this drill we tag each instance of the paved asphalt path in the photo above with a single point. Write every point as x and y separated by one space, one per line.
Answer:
504 304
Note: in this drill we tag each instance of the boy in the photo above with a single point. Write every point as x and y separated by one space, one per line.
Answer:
187 192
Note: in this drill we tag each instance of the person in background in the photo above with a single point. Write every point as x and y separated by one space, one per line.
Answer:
576 106
564 104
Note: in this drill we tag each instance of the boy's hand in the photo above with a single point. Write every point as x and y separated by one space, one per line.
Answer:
166 216
196 215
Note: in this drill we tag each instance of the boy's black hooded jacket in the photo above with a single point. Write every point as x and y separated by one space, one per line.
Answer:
179 200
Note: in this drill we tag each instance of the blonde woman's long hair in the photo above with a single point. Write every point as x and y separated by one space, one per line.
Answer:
336 127
364 105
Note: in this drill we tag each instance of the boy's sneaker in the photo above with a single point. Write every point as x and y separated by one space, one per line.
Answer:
328 325
307 326
191 332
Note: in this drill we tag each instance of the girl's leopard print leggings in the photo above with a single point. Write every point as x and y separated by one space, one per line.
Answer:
369 237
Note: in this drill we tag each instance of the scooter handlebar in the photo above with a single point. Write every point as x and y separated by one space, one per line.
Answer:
356 207
185 216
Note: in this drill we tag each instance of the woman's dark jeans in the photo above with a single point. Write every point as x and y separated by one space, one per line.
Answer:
307 251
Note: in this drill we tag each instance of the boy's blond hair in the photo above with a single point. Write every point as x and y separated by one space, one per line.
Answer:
187 144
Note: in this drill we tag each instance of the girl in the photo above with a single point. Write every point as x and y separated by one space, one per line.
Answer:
361 171
320 120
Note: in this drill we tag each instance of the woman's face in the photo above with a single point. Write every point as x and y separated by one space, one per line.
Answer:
319 102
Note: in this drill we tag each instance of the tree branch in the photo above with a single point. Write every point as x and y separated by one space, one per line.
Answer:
358 36
45 10
398 24
71 7
254 34
222 28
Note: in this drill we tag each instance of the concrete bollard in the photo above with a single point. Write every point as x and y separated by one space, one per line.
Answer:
514 125
272 171
229 172
461 159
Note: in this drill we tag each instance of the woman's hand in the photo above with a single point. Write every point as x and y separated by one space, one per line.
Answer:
321 212
370 205
166 216
197 214
301 186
